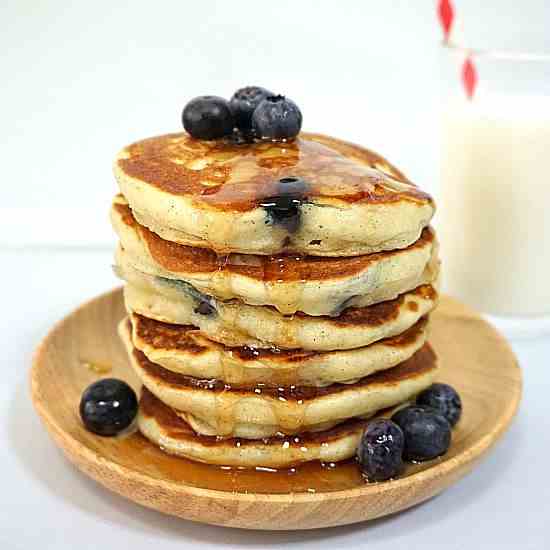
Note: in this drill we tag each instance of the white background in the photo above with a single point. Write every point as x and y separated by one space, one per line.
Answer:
82 79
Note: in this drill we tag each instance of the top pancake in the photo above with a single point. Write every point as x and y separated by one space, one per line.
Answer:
216 194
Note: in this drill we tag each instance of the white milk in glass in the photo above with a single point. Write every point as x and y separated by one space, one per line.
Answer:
494 206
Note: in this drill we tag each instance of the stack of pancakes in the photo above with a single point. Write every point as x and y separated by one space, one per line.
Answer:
278 294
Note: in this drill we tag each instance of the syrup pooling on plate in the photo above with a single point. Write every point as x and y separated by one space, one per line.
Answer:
96 367
309 477
312 477
238 177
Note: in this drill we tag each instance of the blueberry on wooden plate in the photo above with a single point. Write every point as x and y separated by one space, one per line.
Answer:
380 450
427 432
108 406
444 399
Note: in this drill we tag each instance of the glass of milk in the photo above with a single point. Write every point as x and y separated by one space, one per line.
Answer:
494 200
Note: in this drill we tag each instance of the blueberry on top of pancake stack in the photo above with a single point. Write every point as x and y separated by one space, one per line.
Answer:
295 193
279 284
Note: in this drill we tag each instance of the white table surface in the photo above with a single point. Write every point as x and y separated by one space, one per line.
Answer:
48 504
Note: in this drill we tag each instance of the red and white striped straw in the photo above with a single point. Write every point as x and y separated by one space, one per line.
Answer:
446 15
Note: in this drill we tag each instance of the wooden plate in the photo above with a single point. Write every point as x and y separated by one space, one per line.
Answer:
474 358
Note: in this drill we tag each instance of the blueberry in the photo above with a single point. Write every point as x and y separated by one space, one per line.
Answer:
284 207
380 450
277 117
108 406
244 102
343 305
208 117
205 305
206 309
427 433
444 399
402 416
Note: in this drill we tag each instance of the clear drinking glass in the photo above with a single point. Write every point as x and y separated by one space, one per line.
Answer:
494 204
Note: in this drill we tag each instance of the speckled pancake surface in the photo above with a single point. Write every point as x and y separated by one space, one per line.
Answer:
213 407
312 285
234 323
184 350
216 194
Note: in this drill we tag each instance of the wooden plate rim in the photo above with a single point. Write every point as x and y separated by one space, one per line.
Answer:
73 448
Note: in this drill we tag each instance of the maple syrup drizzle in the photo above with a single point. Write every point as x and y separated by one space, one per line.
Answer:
230 326
271 269
233 177
96 367
308 477
289 405
238 364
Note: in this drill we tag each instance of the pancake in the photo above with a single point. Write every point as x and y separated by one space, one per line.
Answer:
162 426
184 350
312 285
236 324
258 411
217 195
